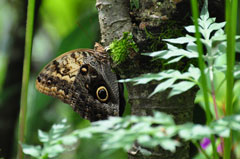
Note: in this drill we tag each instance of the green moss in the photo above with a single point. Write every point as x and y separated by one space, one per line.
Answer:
167 31
134 4
120 49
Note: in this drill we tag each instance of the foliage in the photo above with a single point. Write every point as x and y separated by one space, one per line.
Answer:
120 49
121 133
53 142
212 36
170 76
215 45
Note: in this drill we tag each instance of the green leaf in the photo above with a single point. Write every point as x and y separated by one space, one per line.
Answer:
43 136
233 122
199 131
204 15
169 144
163 86
204 24
216 26
174 53
180 88
222 47
145 78
218 38
179 52
190 131
155 54
236 71
175 60
145 152
54 151
34 151
164 118
194 72
192 47
221 130
238 46
58 129
181 40
145 140
190 28
69 140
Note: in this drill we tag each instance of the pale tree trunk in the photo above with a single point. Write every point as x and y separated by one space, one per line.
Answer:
152 21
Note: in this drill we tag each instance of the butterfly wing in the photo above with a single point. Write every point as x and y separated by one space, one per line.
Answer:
57 77
76 78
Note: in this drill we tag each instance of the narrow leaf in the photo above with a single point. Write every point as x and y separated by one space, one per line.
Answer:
43 136
163 86
181 40
34 151
180 88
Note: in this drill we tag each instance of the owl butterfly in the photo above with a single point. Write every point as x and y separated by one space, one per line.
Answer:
83 79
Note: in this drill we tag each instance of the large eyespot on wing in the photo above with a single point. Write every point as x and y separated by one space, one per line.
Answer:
56 78
102 94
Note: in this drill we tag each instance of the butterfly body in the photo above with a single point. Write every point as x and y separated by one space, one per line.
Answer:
83 79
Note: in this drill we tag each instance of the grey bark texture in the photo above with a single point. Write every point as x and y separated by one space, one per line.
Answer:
149 23
120 21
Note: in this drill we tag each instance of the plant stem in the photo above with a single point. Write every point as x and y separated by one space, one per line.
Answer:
26 73
231 15
201 63
214 100
201 149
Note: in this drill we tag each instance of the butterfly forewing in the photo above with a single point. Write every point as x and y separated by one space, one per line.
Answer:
57 77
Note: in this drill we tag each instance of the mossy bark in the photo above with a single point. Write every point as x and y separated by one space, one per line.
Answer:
150 22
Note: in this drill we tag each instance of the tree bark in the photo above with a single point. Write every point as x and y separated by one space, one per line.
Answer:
149 23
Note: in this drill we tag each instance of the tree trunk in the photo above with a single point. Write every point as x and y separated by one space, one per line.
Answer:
150 21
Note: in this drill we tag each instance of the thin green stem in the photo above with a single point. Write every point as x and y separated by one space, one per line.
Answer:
26 73
220 85
202 68
201 149
231 15
214 100
201 61
211 75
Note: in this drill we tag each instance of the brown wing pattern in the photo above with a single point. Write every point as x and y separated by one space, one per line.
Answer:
56 78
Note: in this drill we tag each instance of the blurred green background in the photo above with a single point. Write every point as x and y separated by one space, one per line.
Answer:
60 26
